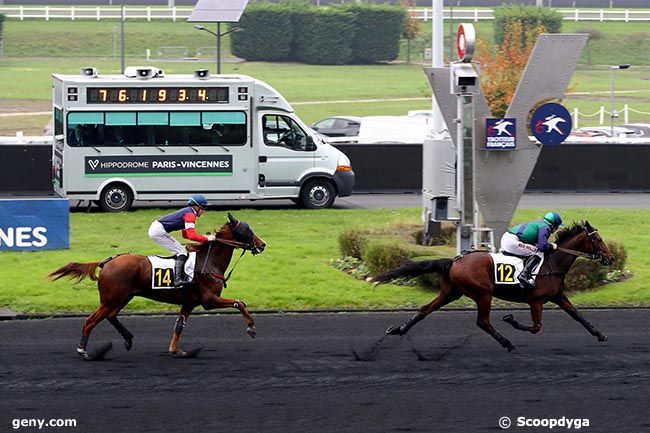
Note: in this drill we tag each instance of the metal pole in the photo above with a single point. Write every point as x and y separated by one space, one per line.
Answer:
612 101
437 60
122 12
218 48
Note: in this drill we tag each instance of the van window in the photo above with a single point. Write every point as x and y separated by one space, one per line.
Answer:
58 121
282 131
160 128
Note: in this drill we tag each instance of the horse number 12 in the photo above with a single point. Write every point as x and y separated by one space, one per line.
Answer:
505 273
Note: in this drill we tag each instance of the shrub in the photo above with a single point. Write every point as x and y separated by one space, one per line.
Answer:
267 33
380 256
352 243
378 29
586 274
2 18
529 17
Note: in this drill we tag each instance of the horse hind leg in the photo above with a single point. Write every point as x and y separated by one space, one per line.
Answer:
536 315
483 321
447 295
126 335
93 320
113 320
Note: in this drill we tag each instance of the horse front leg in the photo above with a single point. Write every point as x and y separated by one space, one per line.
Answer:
563 302
181 321
535 314
219 302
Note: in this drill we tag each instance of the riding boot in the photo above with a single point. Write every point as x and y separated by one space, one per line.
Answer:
179 271
525 278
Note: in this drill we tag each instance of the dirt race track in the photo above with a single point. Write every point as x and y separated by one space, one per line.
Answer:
301 375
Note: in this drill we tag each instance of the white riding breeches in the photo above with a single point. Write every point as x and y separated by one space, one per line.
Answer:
510 243
158 234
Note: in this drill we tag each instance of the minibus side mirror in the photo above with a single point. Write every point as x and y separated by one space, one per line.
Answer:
311 146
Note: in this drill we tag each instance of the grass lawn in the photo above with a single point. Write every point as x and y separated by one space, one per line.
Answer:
293 273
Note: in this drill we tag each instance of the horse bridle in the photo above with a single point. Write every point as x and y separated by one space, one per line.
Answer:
598 256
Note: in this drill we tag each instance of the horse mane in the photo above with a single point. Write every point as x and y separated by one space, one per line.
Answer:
200 248
569 232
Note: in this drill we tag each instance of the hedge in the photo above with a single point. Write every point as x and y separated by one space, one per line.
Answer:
529 16
266 33
378 31
334 35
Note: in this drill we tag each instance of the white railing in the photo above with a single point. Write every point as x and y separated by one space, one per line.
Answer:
182 13
604 116
96 13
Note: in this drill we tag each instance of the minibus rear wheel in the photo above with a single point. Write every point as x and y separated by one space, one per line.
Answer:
116 197
317 194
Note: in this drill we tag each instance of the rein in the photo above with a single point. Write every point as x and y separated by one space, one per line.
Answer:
579 253
231 243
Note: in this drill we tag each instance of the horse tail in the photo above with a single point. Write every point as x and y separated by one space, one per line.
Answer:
413 269
76 270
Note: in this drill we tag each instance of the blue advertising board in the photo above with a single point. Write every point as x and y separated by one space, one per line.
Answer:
34 224
551 124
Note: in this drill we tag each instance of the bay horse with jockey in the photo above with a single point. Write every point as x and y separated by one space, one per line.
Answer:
124 276
472 275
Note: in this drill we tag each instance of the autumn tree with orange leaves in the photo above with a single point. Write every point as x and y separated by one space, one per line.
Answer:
501 70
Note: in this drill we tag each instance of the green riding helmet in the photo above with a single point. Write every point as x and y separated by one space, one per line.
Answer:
553 218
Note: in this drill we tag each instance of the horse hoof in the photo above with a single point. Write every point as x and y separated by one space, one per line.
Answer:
393 330
82 352
251 332
128 344
602 337
511 348
178 354
508 318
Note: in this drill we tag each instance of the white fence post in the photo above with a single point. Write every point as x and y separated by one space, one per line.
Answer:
626 113
99 14
601 118
627 16
47 13
174 14
72 13
475 15
576 16
22 15
148 13
576 113
602 15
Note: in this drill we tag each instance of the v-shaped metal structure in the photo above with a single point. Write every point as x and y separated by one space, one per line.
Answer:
500 177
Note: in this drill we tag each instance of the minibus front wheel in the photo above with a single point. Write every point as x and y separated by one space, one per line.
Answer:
317 194
116 197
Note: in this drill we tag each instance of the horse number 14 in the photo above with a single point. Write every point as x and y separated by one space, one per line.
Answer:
163 277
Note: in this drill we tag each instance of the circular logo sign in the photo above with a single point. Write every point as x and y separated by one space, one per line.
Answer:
551 124
465 40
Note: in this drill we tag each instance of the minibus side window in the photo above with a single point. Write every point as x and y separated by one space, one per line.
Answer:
282 131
